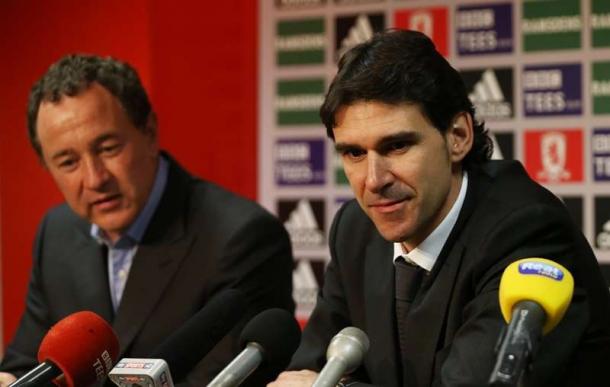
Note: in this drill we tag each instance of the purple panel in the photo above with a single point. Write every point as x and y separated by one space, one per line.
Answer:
484 29
300 162
552 90
600 151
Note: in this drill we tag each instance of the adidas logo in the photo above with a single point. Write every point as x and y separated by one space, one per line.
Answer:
360 32
488 97
305 285
302 226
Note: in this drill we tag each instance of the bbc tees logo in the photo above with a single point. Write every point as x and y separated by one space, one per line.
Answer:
304 220
554 155
552 90
300 162
431 21
484 29
600 151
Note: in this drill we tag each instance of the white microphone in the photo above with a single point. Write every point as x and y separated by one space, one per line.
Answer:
141 372
344 354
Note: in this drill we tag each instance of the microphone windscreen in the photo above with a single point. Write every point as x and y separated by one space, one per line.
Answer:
540 280
277 332
184 348
83 346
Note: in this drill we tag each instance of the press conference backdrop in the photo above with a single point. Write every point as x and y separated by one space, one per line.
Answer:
538 73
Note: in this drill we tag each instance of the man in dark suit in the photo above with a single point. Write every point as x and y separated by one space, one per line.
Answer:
429 202
139 241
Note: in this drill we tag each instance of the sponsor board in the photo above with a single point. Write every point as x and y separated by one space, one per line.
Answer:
300 42
298 101
305 221
600 152
282 4
432 21
307 279
484 29
355 29
600 23
602 222
600 87
300 162
574 206
552 90
551 25
554 155
353 2
491 92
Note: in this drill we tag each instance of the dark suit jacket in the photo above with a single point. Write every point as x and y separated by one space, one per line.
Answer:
201 240
455 319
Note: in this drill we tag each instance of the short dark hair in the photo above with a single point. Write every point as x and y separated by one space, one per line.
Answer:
401 66
74 73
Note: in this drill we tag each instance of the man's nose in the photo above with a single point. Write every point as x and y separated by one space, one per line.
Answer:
378 173
96 173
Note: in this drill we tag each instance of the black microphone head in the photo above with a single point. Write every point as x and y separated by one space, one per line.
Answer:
184 348
277 332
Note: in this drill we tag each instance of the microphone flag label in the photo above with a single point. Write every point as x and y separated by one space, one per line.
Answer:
541 269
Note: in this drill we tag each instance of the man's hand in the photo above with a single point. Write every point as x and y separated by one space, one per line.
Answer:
6 379
303 378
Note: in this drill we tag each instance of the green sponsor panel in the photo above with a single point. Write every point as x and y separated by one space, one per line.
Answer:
600 23
298 101
551 25
600 87
300 42
340 177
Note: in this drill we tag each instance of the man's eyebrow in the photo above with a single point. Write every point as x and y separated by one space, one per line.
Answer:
404 135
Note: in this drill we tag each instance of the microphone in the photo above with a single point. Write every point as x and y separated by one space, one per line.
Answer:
534 296
184 348
344 354
271 337
77 351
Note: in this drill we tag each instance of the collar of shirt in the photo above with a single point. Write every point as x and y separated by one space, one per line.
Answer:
136 231
427 252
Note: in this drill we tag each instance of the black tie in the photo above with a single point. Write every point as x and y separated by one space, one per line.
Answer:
407 280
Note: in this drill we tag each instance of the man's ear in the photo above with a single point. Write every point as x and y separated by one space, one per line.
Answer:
460 136
151 132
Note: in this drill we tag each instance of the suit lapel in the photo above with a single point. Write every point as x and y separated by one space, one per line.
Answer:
165 244
379 301
91 278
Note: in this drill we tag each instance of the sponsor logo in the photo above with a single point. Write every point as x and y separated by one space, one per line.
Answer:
541 269
102 365
307 278
600 87
340 177
491 91
300 42
484 29
600 151
304 220
547 158
602 222
300 162
432 21
552 90
298 101
352 30
551 25
298 3
600 23
349 2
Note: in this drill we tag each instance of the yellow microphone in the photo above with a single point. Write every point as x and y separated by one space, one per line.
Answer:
534 295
